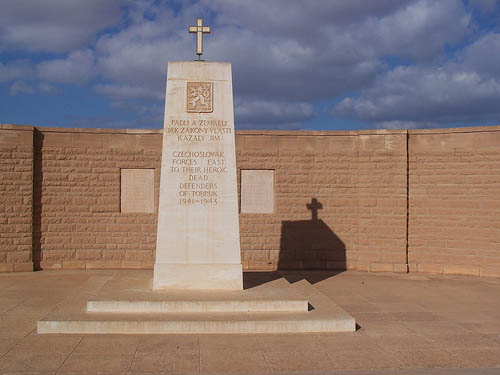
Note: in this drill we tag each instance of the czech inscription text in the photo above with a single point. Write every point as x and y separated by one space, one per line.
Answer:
198 167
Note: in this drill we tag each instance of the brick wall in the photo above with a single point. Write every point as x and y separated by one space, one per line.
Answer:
382 195
358 178
454 221
425 201
16 191
77 219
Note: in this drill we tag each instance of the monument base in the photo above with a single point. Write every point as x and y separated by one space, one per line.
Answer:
219 276
123 303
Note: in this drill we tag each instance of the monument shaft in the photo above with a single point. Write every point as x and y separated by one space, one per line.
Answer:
198 243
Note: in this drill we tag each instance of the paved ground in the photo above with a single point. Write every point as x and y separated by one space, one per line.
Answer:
409 324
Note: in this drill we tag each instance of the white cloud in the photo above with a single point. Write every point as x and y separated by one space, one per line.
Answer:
21 87
53 25
483 56
466 91
300 19
419 30
332 28
78 67
313 50
133 61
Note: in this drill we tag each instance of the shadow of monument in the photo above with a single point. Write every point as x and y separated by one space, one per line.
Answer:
305 246
37 199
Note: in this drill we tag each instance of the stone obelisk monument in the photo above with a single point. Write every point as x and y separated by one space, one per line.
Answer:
198 243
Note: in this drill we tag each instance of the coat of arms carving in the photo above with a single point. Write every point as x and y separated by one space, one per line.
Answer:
199 97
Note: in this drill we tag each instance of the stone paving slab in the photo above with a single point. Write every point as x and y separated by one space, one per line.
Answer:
389 344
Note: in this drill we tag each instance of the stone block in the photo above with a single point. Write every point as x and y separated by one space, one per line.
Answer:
57 139
6 267
103 265
89 254
147 265
112 254
262 265
131 265
23 267
258 142
460 270
138 255
16 137
121 141
50 265
288 143
336 265
150 141
490 272
59 255
88 140
423 143
430 268
400 268
381 267
74 265
412 267
18 257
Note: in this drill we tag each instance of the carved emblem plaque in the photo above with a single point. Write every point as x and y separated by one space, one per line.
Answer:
199 97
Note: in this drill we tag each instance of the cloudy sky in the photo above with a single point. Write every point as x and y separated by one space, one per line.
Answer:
297 64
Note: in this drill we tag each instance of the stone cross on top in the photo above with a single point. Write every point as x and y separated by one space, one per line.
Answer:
199 29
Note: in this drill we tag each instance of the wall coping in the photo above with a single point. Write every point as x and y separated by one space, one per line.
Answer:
17 127
473 129
470 129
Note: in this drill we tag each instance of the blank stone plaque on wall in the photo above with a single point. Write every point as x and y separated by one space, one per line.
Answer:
257 191
137 190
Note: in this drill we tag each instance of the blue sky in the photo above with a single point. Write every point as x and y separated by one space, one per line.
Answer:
297 64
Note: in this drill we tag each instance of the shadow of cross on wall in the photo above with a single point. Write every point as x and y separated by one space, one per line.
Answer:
310 244
314 206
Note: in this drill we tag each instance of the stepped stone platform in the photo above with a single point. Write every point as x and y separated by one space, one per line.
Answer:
276 297
127 305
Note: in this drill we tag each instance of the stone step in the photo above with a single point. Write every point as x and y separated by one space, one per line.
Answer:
324 315
123 295
144 306
197 323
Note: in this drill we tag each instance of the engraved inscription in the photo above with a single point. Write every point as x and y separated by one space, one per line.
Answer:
211 130
199 97
200 170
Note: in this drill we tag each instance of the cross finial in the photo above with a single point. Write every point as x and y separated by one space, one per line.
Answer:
314 206
199 29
